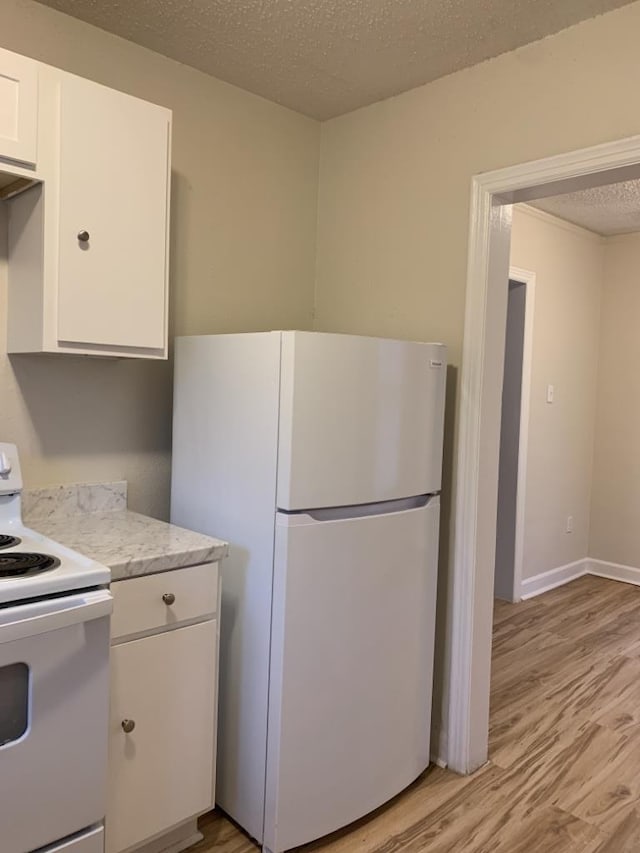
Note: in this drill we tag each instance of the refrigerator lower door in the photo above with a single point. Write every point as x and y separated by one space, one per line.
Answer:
351 665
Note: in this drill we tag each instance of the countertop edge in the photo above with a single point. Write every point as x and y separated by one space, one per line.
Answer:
128 543
139 567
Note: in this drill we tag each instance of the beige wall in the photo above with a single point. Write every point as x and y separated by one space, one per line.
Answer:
393 211
615 530
244 186
568 263
395 176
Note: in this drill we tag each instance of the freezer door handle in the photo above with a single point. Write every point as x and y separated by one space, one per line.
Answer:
343 513
39 617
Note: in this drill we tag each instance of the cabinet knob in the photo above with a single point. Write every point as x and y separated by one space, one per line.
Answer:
128 726
168 598
83 236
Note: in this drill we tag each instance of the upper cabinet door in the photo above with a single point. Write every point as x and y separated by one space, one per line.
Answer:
18 108
361 420
114 181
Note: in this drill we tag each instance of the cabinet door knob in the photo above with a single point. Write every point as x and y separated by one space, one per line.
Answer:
83 236
128 726
168 598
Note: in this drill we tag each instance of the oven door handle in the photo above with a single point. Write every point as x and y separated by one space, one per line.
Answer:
38 617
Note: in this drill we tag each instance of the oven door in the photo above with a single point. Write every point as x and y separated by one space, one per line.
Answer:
54 700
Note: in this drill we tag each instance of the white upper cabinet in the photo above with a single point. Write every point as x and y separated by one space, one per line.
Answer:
18 108
88 247
113 217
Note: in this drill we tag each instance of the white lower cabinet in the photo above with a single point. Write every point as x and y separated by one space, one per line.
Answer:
163 716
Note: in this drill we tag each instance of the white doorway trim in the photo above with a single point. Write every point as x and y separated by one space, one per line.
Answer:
528 278
476 482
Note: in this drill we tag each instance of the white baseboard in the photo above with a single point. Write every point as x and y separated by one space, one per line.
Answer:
553 578
614 571
587 566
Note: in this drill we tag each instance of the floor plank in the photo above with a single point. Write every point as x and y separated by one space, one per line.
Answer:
564 744
623 838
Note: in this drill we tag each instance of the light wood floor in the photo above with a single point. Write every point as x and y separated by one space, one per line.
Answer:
564 770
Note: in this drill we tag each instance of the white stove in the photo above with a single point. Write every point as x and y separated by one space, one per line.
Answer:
54 685
32 566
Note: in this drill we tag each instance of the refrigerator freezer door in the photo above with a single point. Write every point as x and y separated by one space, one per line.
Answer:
361 420
351 667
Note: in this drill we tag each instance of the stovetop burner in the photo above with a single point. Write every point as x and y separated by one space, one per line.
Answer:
24 564
8 541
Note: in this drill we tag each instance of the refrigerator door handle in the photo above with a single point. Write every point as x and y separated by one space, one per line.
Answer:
339 513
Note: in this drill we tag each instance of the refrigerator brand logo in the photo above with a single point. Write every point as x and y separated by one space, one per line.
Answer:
435 363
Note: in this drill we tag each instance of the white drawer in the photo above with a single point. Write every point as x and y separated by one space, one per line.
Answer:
163 600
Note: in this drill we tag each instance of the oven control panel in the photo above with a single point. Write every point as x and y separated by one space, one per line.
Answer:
10 476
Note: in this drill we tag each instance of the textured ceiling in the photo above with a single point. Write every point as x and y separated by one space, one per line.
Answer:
326 57
609 210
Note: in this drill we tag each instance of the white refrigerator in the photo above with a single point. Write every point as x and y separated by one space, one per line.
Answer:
318 456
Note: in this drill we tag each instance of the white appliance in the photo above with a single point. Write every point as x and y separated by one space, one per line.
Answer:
319 457
54 686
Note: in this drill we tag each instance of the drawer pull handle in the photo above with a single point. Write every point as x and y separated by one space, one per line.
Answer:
83 236
169 598
128 726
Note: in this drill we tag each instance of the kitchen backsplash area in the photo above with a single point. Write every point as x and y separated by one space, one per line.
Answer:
58 502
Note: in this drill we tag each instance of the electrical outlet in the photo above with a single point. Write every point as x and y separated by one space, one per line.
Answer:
569 527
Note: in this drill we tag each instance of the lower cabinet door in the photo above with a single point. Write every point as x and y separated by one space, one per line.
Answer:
161 733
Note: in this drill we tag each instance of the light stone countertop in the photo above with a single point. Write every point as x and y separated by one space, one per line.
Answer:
93 520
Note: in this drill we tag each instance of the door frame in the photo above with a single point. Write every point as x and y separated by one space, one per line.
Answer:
528 279
476 481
